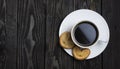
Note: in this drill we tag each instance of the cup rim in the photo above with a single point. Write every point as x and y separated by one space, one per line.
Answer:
76 42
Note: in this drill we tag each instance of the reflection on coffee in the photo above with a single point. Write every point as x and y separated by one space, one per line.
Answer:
85 33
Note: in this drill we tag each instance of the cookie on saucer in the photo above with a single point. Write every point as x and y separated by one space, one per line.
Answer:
80 54
66 41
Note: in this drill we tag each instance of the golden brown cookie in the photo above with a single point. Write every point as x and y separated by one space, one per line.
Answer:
80 54
66 41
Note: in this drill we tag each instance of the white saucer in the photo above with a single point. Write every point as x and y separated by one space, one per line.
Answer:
88 15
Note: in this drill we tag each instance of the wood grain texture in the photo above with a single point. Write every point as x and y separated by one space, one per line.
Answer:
56 57
11 33
111 55
30 34
39 34
95 63
2 35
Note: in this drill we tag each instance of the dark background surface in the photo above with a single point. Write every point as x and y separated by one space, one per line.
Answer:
29 34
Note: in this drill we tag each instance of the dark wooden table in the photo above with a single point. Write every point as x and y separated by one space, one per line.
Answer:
29 34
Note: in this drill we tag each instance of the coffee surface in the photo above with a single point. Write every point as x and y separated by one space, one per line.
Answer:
86 33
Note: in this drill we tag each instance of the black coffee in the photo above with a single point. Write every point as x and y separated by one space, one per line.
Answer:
86 33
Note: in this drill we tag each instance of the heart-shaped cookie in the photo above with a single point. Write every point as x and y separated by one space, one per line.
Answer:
66 41
80 54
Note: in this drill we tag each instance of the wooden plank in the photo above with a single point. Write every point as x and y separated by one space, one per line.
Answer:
11 33
2 35
30 32
39 33
110 11
23 28
23 25
56 57
95 63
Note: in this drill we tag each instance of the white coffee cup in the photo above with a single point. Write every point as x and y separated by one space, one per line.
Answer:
85 27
